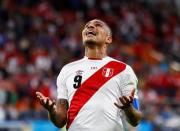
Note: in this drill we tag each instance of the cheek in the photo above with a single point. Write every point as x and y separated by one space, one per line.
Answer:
83 35
102 36
83 32
102 33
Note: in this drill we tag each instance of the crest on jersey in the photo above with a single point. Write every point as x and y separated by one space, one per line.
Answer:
107 72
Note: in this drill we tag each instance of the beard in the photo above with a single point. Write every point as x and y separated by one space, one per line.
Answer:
89 42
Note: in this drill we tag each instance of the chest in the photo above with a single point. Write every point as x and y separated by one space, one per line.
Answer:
79 74
94 77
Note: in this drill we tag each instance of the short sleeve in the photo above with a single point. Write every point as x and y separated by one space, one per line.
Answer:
129 82
61 85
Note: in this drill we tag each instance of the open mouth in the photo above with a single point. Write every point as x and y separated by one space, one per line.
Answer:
90 33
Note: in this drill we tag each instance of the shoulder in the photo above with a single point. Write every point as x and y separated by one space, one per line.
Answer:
66 68
72 64
115 60
118 63
128 70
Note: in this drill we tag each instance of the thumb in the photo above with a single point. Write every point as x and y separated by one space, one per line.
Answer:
133 92
39 94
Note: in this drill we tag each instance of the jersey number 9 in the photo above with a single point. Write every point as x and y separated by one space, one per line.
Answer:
77 80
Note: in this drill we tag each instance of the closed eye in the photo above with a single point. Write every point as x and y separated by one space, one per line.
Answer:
86 26
98 25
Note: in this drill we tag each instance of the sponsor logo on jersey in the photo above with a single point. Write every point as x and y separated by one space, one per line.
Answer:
94 68
79 72
107 72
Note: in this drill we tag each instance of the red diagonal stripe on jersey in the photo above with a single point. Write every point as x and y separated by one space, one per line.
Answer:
90 87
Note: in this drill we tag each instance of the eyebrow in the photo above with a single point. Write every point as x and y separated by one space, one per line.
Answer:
97 22
86 24
103 24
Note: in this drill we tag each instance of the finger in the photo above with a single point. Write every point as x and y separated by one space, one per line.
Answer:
52 107
118 106
127 100
54 101
43 101
47 103
40 97
133 92
131 99
123 101
39 94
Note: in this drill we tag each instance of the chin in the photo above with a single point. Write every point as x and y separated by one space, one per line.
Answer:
89 42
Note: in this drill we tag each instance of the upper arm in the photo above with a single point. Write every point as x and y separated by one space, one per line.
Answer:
129 82
61 85
62 97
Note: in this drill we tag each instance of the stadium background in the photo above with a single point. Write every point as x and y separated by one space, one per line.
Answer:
37 37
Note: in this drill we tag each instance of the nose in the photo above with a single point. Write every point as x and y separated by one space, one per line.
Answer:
91 26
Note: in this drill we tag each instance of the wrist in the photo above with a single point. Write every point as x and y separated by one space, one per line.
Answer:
52 110
52 114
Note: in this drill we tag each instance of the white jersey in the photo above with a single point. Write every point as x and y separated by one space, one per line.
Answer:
98 113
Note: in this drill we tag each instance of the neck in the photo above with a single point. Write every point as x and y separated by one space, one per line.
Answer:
96 52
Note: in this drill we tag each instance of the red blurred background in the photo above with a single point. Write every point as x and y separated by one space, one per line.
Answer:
38 37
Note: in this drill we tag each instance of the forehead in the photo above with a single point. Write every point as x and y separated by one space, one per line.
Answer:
96 21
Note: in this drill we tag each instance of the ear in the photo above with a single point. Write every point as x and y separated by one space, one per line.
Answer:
109 39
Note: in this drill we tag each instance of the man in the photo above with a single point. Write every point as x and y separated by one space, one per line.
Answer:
94 92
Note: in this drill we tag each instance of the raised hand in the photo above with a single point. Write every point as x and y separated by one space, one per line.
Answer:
46 102
126 101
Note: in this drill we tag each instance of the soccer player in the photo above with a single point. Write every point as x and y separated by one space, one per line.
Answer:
95 91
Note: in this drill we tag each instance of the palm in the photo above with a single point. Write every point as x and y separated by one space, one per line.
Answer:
46 102
126 100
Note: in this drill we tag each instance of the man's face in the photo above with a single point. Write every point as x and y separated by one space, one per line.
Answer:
97 32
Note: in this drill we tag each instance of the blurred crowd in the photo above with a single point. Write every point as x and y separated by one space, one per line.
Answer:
37 37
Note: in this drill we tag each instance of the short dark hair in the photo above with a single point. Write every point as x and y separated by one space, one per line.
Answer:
108 28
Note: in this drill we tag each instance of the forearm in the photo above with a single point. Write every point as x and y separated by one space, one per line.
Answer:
59 119
57 110
133 116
